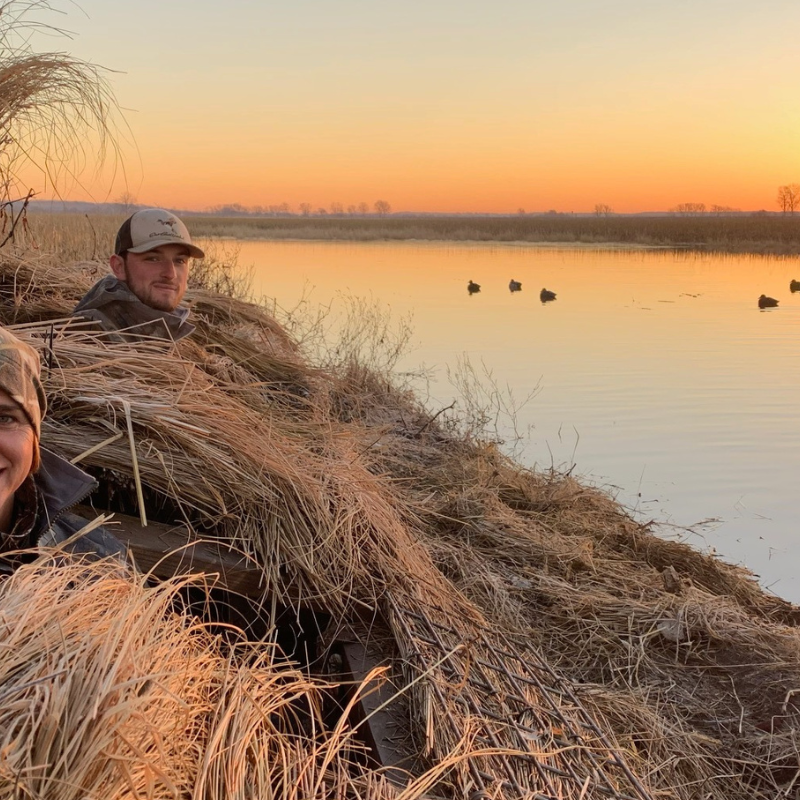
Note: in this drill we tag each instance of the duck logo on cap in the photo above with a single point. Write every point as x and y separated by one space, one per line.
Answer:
170 222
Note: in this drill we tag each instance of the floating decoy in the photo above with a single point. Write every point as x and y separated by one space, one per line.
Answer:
546 295
514 286
767 302
473 287
794 286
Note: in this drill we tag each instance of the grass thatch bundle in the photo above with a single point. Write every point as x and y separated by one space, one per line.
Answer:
110 691
291 487
551 644
688 660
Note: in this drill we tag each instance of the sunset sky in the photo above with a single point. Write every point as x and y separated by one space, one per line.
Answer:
445 105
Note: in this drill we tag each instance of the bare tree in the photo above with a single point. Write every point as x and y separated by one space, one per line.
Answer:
126 202
689 208
352 210
718 209
305 209
521 211
603 210
382 208
789 198
363 208
229 210
337 208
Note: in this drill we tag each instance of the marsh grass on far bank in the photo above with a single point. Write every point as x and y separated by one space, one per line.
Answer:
753 234
89 236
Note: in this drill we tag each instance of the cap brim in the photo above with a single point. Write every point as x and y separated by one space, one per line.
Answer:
194 252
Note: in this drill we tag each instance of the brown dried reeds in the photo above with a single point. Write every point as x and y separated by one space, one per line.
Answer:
685 657
34 288
110 690
293 488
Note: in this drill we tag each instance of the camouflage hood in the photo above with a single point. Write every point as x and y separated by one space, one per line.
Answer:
20 378
116 308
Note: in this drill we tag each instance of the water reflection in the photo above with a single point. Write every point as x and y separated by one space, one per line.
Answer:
656 372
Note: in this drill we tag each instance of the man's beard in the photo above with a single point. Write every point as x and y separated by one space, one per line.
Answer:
148 297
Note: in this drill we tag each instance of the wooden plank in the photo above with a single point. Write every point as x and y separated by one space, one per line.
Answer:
381 729
170 550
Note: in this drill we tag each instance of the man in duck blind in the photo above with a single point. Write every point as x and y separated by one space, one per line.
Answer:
150 269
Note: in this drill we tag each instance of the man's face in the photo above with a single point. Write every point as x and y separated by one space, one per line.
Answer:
158 277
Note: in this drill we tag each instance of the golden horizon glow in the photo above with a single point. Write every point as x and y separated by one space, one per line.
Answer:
455 108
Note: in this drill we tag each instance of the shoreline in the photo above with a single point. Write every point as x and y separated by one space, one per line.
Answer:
610 245
554 245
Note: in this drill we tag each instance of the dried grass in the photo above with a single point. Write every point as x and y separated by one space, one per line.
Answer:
111 691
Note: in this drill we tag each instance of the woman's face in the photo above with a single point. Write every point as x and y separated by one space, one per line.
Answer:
17 445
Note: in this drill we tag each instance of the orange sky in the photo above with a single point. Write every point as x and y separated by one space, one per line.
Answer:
449 106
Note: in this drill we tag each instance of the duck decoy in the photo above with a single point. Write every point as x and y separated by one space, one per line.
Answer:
473 287
767 302
794 286
514 286
546 295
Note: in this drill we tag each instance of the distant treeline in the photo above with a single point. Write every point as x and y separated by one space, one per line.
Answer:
757 233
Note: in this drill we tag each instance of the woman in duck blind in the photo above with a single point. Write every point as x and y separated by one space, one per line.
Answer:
37 487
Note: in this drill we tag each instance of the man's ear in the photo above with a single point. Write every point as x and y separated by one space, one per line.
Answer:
117 264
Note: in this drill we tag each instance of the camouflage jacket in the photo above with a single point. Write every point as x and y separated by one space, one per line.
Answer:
117 310
43 517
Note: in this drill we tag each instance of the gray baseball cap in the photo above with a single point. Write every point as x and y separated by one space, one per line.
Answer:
150 228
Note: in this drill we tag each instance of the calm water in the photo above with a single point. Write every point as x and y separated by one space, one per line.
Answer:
654 373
